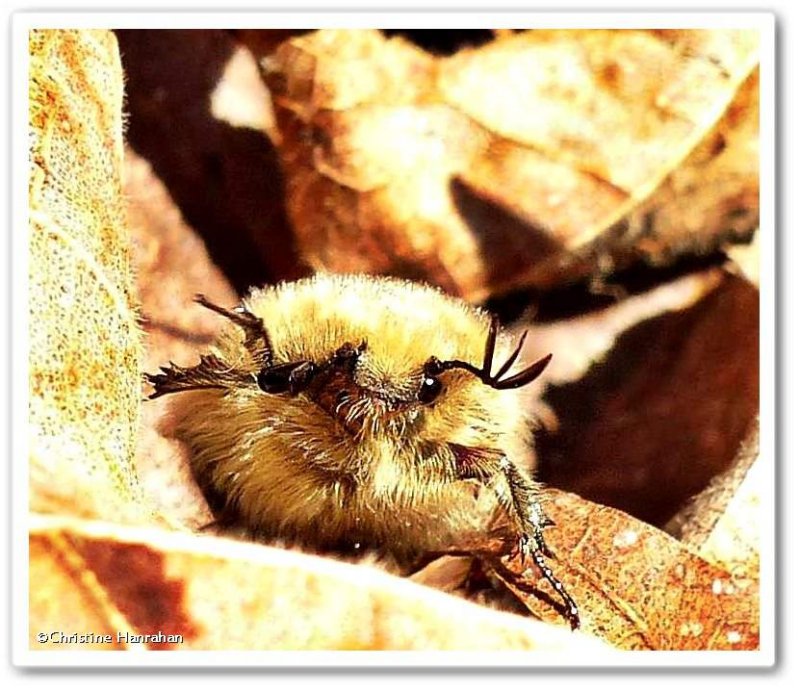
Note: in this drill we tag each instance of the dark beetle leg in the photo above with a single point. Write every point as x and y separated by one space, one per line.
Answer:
256 338
525 510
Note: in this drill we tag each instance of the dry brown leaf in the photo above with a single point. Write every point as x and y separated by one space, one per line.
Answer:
63 591
195 122
636 586
746 259
225 595
683 215
172 266
662 411
724 521
84 338
539 158
579 342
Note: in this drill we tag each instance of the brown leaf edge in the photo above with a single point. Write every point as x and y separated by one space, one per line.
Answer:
636 587
221 594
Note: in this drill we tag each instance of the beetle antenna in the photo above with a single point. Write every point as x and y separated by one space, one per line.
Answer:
496 381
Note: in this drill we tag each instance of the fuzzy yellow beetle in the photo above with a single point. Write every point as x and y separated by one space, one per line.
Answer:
354 410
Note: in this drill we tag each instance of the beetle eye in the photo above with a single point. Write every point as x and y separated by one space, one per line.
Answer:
433 367
293 377
429 389
274 380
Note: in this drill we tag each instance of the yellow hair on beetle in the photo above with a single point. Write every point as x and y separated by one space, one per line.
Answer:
356 411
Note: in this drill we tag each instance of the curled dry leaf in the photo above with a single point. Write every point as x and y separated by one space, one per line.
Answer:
580 341
225 595
637 587
537 159
172 266
665 409
84 338
724 521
